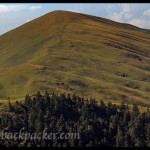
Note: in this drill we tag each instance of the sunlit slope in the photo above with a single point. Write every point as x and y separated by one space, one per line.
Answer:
76 53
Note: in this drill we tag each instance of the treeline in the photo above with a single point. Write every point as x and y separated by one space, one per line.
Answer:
98 124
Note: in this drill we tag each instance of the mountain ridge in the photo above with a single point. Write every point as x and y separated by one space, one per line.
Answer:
98 18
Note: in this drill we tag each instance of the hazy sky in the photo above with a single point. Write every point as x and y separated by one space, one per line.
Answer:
15 14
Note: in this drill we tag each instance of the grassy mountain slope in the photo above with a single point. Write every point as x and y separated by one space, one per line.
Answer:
71 52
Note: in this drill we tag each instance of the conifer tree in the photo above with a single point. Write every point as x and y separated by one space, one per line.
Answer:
119 138
148 135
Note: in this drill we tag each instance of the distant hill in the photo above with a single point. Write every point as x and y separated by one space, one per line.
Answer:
65 51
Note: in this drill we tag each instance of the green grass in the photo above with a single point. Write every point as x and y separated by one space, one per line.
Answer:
46 54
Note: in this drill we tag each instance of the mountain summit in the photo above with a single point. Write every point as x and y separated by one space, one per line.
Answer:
71 52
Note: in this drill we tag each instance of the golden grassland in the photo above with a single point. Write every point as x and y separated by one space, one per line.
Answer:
76 53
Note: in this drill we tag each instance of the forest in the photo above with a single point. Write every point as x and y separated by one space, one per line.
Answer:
98 124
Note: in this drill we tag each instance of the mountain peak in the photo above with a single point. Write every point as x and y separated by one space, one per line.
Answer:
62 11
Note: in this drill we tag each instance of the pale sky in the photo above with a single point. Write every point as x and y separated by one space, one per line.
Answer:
13 15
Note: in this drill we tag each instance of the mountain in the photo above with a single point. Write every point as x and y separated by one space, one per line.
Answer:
65 51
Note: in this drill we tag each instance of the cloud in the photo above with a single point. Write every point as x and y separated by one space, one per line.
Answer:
35 7
140 23
11 8
126 14
16 8
80 9
147 12
121 16
28 20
